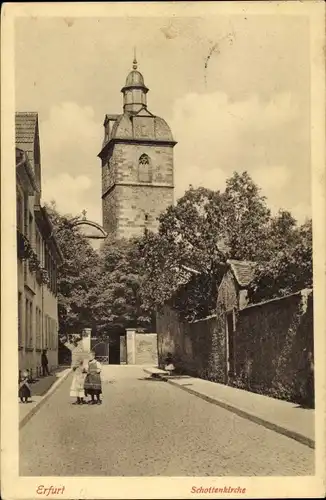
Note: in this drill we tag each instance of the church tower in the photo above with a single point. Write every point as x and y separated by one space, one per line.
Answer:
137 164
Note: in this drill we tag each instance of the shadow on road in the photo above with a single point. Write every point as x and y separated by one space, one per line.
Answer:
149 379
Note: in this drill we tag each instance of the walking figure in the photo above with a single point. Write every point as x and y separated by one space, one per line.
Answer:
93 384
24 390
77 386
169 366
44 363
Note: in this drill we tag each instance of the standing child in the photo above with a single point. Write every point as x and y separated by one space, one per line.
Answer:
77 386
93 383
24 390
169 366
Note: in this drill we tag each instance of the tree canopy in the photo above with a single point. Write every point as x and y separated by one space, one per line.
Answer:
78 275
124 283
289 266
117 299
206 228
100 290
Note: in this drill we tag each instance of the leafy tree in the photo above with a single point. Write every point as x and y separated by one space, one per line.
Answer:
246 218
202 231
289 266
117 301
77 276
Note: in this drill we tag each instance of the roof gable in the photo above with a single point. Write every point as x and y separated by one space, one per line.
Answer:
26 129
243 271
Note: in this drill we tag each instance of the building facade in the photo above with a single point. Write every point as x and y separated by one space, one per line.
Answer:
137 164
38 255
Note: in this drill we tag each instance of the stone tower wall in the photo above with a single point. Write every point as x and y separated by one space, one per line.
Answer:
126 199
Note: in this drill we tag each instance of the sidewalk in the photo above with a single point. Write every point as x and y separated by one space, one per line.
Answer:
283 417
41 390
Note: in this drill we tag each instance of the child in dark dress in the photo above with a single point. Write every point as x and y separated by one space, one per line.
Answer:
24 390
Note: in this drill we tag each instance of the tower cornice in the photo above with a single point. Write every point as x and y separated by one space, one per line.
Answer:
145 142
137 184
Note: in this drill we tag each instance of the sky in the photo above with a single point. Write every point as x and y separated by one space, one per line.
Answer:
235 91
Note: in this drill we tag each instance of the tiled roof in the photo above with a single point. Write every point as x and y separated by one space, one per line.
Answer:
25 129
243 270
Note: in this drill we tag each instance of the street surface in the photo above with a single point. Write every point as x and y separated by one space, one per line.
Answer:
151 428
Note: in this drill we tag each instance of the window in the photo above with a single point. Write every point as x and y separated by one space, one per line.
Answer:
48 333
55 279
38 328
20 326
38 245
55 333
30 228
26 212
31 325
46 336
144 169
51 334
27 320
20 212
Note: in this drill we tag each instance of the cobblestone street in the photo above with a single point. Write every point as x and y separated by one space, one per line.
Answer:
150 428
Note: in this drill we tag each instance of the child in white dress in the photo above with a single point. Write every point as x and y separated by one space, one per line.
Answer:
77 386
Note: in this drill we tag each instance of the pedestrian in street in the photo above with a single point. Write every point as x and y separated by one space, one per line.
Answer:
24 391
45 363
169 366
93 384
78 381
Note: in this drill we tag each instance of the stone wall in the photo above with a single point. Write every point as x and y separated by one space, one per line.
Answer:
141 348
135 202
123 350
110 210
126 200
273 342
125 157
197 348
146 349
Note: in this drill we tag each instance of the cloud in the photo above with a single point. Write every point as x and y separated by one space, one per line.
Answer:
71 174
217 136
70 194
301 212
197 177
271 178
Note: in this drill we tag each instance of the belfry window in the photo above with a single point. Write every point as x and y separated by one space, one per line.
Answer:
144 169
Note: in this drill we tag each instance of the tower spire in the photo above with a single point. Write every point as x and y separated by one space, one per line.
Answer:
134 64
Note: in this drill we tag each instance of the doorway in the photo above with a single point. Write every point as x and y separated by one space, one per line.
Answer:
114 350
101 350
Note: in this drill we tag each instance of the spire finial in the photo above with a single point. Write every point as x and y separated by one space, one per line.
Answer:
134 65
84 214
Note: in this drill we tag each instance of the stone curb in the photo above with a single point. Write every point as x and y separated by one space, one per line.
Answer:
52 389
247 415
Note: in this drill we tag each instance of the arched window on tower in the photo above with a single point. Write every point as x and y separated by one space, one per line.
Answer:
144 169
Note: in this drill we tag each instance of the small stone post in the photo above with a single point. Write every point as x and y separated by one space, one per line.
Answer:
87 340
131 346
